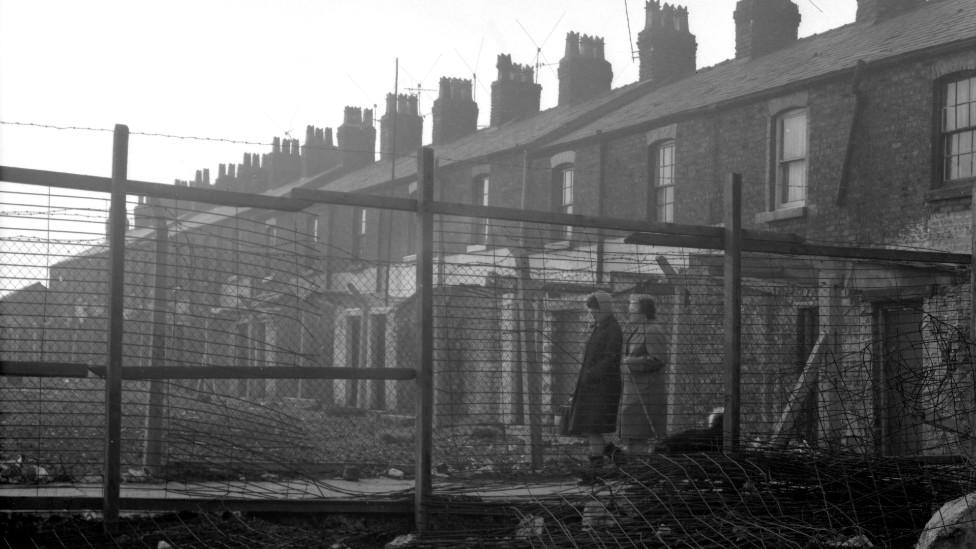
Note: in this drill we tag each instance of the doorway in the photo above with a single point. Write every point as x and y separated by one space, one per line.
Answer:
898 378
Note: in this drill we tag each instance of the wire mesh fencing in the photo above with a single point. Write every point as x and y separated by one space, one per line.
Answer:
237 349
273 351
846 356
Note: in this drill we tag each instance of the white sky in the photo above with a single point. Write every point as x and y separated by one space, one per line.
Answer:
250 70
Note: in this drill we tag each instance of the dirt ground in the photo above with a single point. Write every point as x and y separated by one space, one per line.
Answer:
194 530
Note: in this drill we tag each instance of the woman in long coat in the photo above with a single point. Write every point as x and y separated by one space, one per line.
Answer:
643 399
594 408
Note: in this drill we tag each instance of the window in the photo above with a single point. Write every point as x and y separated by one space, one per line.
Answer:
661 195
358 232
411 222
479 197
562 198
271 235
959 129
790 175
313 227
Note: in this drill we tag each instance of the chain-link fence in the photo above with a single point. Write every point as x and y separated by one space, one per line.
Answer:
846 356
272 349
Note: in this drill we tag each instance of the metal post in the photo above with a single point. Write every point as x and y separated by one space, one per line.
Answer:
425 320
528 328
152 457
970 447
972 273
733 311
113 374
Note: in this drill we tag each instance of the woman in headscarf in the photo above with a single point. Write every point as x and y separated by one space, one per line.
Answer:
594 408
642 402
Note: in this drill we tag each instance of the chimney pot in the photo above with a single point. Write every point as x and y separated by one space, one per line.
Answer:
878 10
583 74
454 112
764 26
572 44
514 95
667 48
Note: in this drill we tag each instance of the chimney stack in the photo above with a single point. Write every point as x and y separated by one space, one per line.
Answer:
409 127
455 113
318 153
357 138
667 47
583 71
878 10
764 26
514 95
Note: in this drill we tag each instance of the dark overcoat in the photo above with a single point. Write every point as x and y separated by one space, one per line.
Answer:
597 394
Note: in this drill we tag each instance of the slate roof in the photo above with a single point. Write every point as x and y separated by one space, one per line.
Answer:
939 22
487 142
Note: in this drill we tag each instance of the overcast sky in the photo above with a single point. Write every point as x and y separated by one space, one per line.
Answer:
249 70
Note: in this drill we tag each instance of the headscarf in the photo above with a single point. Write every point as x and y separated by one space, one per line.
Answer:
600 301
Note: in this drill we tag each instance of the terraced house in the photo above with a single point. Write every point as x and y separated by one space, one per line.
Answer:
864 135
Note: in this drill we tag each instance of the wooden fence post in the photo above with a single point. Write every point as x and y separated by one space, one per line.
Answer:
113 375
425 320
733 311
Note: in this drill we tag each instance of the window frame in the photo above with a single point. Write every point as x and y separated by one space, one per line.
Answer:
558 202
359 228
480 196
654 201
411 244
942 134
779 201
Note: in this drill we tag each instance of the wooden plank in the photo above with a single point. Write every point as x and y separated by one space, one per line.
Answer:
169 502
578 220
70 370
116 327
846 252
760 243
262 372
30 368
27 176
733 311
354 199
425 319
799 398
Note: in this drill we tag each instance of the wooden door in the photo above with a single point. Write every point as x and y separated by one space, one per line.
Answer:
899 399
